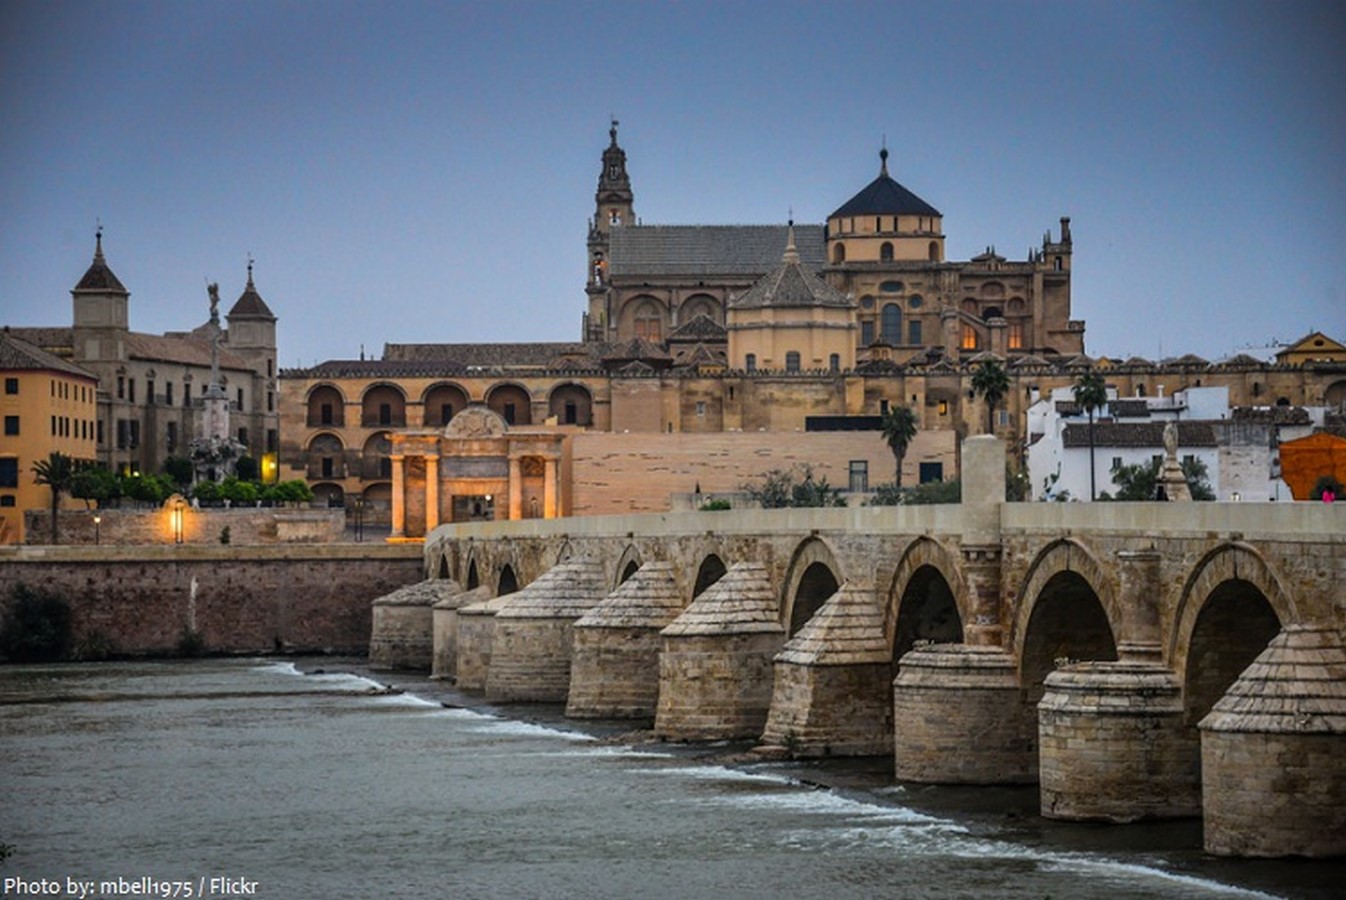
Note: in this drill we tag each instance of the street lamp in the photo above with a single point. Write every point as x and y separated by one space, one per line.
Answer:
359 518
97 520
178 509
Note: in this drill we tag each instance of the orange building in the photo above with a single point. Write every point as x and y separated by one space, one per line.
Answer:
1305 460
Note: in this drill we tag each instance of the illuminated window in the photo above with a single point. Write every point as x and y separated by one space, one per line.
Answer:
969 338
1016 336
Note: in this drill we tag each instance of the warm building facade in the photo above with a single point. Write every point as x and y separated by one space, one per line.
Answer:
49 405
151 386
712 354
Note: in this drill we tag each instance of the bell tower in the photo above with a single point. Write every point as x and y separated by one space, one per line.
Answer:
614 206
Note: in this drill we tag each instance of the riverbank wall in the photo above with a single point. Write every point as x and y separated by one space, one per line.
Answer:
164 600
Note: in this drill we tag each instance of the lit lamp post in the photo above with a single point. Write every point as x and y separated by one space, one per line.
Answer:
178 510
97 520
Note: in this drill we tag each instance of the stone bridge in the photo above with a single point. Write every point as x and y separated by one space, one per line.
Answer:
1136 660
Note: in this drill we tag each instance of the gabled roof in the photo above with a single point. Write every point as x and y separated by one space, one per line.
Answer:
748 250
700 328
18 354
1313 342
186 350
1138 434
885 197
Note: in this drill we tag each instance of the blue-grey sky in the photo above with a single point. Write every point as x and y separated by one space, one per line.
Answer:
413 171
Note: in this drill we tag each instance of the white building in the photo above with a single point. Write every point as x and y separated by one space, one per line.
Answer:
1237 445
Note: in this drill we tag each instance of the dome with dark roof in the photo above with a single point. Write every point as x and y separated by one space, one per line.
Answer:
885 197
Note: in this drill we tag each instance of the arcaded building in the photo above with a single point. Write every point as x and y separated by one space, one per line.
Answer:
711 354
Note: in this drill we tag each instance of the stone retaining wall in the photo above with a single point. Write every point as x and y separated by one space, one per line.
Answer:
142 600
247 526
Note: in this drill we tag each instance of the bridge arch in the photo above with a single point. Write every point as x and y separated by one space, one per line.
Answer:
926 599
1067 608
627 565
812 577
710 570
1232 605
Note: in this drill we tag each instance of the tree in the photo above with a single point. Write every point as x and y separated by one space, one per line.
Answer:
1141 481
95 484
899 427
779 488
57 472
991 383
1091 394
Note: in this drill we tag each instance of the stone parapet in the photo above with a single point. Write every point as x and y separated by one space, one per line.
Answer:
1113 746
959 718
1273 752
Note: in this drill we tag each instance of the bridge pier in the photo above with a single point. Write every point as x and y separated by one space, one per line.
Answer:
959 718
831 691
1113 745
531 650
715 669
476 638
614 672
402 633
444 621
1273 752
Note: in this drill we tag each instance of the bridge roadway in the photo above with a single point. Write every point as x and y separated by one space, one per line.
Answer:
1081 646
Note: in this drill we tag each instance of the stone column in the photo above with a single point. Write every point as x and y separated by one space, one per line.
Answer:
981 571
399 506
515 488
431 494
1140 585
550 478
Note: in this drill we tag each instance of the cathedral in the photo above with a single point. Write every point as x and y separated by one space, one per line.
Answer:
711 354
883 249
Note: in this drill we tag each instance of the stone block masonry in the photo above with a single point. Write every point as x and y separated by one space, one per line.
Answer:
142 600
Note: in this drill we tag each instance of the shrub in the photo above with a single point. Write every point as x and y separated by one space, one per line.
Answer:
246 468
36 628
715 505
206 491
236 491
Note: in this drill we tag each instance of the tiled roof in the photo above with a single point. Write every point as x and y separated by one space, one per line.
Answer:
100 277
1271 415
1138 434
49 339
885 197
538 355
1135 408
636 349
16 353
190 351
376 368
250 304
701 328
750 250
791 283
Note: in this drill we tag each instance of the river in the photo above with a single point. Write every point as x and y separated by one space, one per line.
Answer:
270 779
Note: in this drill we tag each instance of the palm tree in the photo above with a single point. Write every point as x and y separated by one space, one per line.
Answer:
57 471
1091 394
992 382
899 427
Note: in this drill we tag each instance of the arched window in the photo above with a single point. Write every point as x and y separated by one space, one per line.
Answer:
886 251
934 251
649 322
890 329
792 361
838 253
969 338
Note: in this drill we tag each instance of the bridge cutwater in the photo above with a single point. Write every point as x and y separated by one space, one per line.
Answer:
1136 660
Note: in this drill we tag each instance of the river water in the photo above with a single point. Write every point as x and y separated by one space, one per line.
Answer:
252 778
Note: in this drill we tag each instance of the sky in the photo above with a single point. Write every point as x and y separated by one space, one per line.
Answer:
424 171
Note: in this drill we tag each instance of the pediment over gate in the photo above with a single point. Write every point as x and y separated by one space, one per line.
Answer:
476 422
